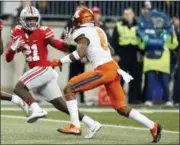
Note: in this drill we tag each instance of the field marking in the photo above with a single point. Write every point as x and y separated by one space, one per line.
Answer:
105 125
100 110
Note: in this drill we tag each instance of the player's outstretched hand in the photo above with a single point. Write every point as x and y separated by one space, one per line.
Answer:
17 44
67 35
1 25
57 63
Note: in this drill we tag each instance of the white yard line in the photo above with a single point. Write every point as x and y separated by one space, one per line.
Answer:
99 110
105 125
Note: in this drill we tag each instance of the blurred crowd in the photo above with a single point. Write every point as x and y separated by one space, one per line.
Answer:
148 47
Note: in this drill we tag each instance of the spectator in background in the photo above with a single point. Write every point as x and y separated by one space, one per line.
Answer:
176 90
99 22
76 67
147 6
156 44
145 9
126 46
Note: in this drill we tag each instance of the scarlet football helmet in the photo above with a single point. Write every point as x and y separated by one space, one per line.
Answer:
82 16
30 18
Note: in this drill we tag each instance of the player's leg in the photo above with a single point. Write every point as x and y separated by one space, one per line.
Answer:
6 97
85 81
115 91
60 104
53 95
33 78
165 80
16 100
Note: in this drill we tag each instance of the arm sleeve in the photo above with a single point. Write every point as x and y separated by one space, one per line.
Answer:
79 34
59 45
48 33
56 43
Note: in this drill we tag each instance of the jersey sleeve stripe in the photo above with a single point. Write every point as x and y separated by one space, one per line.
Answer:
49 36
79 37
49 32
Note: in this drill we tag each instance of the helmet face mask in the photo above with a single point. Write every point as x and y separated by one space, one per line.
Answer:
30 18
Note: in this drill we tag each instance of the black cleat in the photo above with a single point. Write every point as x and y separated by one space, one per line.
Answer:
156 132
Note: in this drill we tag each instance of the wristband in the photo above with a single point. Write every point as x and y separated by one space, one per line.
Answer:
66 59
76 55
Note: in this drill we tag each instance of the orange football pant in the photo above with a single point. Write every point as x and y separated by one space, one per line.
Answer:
105 74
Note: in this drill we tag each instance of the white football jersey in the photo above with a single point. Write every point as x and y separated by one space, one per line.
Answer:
98 51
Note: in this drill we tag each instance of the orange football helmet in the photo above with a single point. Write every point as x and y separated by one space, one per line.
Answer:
82 15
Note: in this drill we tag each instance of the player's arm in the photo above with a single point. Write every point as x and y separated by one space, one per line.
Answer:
15 43
82 45
49 37
1 42
59 44
111 49
114 56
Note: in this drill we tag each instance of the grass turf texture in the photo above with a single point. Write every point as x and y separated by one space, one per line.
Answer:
17 131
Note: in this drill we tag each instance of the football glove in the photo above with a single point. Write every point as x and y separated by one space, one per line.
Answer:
17 43
56 63
67 35
126 77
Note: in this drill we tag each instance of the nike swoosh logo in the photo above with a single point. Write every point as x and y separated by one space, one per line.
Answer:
93 129
35 40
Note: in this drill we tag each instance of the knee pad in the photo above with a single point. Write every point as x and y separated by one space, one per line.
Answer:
124 111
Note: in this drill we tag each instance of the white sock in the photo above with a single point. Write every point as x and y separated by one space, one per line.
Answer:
88 121
135 115
35 107
15 99
72 106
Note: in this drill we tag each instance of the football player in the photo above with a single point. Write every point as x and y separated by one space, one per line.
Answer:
8 97
32 39
92 43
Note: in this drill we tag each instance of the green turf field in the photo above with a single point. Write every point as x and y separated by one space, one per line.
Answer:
15 130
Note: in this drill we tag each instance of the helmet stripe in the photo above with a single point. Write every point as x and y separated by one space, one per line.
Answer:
31 10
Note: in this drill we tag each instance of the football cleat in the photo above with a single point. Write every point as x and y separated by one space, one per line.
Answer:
156 132
36 115
71 130
93 130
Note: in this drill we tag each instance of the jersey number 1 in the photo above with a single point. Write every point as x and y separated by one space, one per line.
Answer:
34 50
103 39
